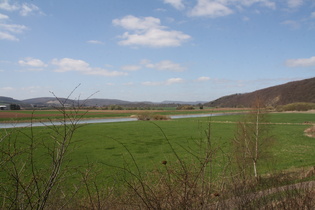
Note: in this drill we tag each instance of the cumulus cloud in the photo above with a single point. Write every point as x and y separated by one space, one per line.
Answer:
14 28
28 9
148 31
32 62
201 79
165 65
8 36
3 17
9 31
174 81
301 62
178 4
5 5
167 82
292 24
95 42
294 3
220 8
210 8
152 83
24 9
68 64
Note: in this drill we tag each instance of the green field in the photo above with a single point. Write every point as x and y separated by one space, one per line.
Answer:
149 142
125 155
27 115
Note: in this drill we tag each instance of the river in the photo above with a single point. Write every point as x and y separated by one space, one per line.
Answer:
105 120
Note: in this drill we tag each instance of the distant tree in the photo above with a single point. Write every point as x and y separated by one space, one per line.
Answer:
15 107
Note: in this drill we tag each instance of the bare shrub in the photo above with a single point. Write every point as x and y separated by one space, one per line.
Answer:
34 166
187 182
252 141
150 116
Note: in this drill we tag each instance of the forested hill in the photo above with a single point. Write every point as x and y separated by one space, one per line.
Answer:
297 91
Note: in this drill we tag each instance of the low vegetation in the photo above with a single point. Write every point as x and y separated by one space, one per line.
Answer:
296 107
150 116
160 164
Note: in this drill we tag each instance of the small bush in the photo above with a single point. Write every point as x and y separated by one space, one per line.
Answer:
185 107
148 116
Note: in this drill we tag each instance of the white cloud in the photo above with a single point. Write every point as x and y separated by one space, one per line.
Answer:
14 28
169 66
201 79
167 82
27 9
313 15
5 5
95 42
220 8
7 31
152 83
301 62
24 9
131 22
165 65
174 81
3 17
68 64
210 8
32 62
178 4
264 3
294 3
148 31
105 72
292 24
7 36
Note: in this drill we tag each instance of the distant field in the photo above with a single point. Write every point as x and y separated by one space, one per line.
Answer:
101 143
27 115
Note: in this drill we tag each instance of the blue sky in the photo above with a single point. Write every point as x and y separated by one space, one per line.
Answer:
153 50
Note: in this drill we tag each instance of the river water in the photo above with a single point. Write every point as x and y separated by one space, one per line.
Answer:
105 120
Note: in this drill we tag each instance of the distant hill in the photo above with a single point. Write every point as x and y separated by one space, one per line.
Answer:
8 100
183 102
103 102
45 101
297 91
52 101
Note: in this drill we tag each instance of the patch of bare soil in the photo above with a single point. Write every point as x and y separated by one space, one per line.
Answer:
310 132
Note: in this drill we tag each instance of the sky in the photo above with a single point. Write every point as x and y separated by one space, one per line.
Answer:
153 50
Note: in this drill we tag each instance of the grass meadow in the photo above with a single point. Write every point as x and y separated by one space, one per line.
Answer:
118 151
151 142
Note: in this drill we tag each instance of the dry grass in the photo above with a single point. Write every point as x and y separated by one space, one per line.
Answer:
310 132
